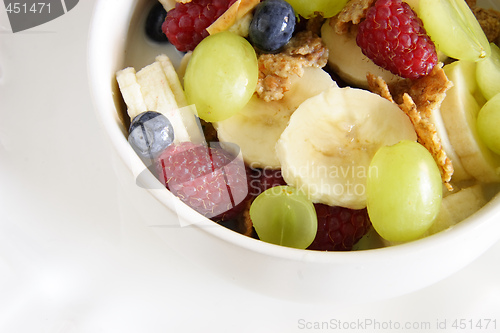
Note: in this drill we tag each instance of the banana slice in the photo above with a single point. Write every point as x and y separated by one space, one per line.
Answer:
157 87
459 112
459 172
242 26
173 80
168 4
257 127
131 91
328 145
181 70
236 18
346 59
458 206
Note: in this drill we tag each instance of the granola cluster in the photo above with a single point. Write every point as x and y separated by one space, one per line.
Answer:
489 19
353 13
306 49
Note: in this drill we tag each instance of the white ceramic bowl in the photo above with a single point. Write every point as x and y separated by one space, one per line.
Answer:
269 269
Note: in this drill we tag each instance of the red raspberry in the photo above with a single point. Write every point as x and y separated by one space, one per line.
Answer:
394 38
186 25
339 228
208 179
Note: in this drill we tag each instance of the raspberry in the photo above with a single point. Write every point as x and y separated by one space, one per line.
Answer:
394 38
186 25
339 228
208 179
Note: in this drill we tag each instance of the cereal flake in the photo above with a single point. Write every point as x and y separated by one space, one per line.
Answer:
419 99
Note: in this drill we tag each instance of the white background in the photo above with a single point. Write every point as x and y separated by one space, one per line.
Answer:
75 258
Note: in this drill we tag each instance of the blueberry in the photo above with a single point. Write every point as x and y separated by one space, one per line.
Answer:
272 25
150 133
154 21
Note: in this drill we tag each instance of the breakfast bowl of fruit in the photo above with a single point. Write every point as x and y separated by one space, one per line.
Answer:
314 151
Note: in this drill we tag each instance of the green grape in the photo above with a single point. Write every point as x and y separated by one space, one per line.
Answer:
221 76
285 216
454 29
310 8
488 120
488 73
404 191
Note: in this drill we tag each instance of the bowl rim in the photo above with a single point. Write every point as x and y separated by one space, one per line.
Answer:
101 68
